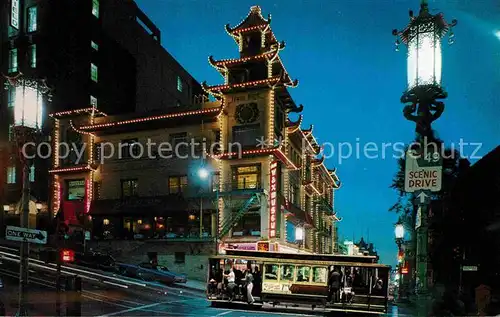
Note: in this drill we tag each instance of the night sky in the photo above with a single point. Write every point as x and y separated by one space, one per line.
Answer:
351 80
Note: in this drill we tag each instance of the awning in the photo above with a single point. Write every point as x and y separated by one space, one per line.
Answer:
139 206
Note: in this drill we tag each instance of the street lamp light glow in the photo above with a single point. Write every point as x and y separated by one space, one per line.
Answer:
399 231
424 57
28 107
299 234
203 173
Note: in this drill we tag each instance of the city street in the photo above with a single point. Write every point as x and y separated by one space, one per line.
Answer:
98 301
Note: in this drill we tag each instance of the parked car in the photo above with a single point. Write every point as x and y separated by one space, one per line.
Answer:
149 272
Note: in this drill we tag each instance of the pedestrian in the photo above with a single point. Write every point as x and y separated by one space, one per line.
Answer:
249 283
230 284
334 283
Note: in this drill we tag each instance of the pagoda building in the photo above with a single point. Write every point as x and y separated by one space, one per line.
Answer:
275 193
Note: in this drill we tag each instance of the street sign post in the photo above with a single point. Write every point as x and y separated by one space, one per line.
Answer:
25 234
423 171
423 175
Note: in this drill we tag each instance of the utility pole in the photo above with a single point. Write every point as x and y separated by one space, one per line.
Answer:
23 268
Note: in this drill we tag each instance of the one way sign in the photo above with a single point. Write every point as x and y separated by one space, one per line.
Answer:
25 234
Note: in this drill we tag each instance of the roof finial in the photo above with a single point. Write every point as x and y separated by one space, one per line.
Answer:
255 9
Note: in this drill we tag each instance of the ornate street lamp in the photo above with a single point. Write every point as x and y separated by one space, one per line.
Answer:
28 116
423 37
399 232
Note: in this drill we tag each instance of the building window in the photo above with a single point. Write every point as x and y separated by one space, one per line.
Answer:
105 221
247 135
177 184
32 55
32 173
11 132
180 257
179 84
94 45
32 19
93 101
246 177
11 97
129 188
13 60
95 8
93 72
11 175
75 189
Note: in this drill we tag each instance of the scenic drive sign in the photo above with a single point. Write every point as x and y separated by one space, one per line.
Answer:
423 172
22 234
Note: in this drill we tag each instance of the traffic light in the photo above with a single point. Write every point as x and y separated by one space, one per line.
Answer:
67 255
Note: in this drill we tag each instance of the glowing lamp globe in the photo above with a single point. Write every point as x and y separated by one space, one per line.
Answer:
422 37
399 231
203 173
299 234
28 107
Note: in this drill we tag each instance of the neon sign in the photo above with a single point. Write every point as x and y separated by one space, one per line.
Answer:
273 201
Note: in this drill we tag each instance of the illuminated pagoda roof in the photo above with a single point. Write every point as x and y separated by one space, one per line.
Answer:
77 112
254 20
268 53
176 116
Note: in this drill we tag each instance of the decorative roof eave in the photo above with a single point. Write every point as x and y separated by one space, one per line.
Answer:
217 89
74 169
333 175
76 112
253 20
220 64
318 162
295 109
294 125
307 132
215 111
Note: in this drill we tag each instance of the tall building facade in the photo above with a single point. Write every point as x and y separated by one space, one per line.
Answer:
235 173
104 54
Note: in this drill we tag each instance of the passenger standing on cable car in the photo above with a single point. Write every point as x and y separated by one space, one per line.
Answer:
249 284
257 280
230 284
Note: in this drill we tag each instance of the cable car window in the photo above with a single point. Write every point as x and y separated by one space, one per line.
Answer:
271 271
320 274
303 273
287 272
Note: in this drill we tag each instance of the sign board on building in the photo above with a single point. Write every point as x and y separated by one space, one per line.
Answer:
25 234
470 268
273 199
14 14
423 171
